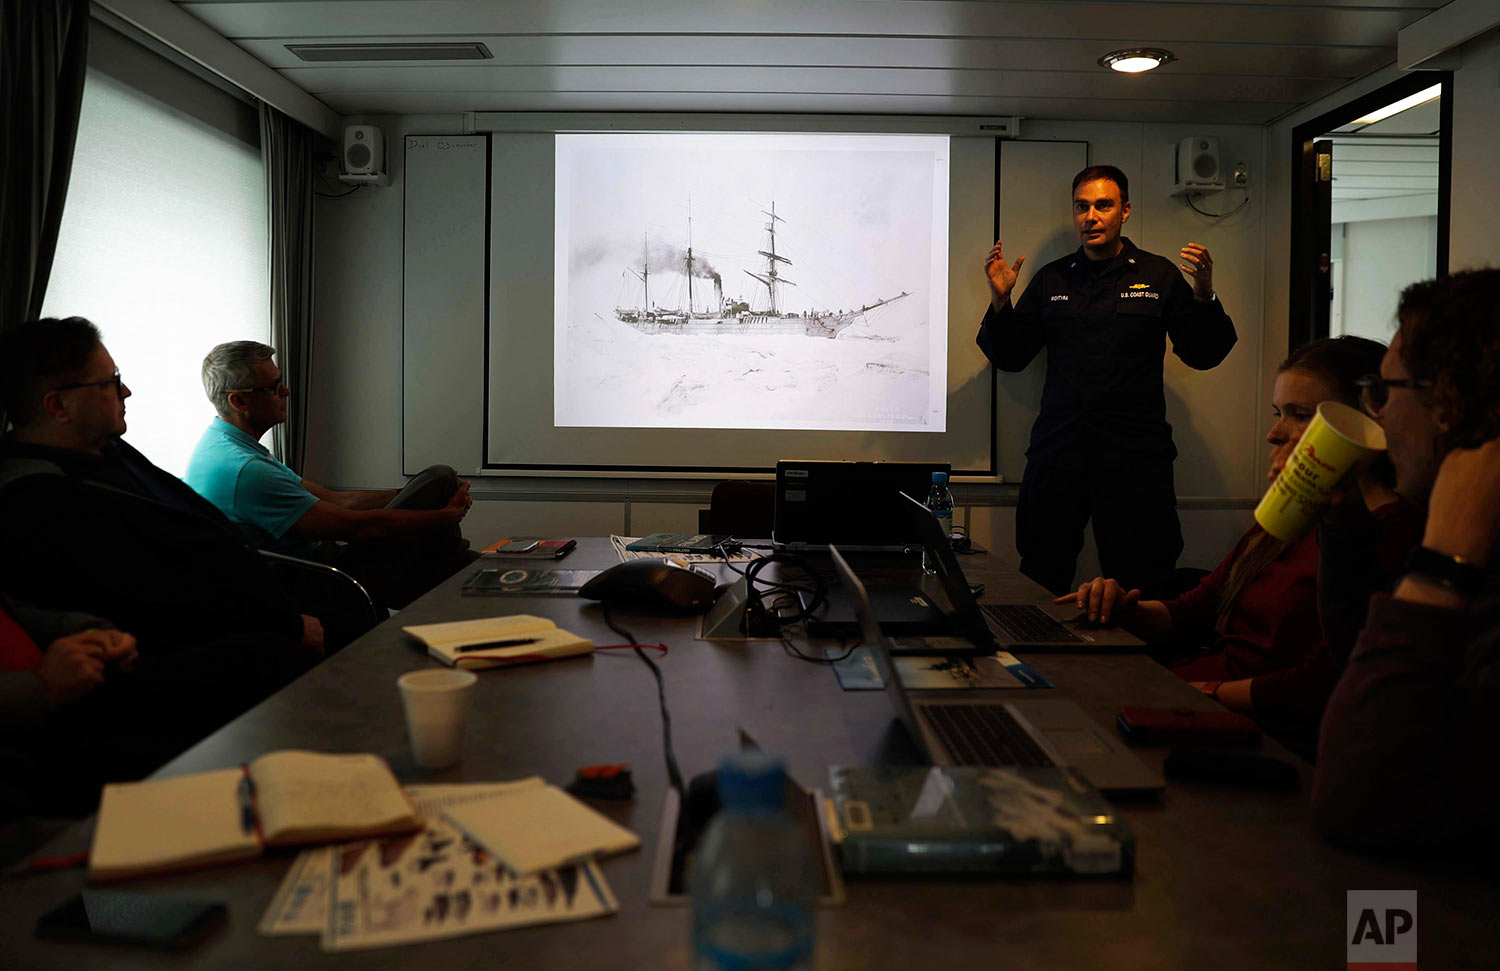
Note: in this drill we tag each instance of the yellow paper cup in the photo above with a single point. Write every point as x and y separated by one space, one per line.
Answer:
1338 439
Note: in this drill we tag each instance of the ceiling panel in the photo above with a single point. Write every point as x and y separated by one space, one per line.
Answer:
1372 167
1385 168
1346 150
1091 109
1239 61
824 80
770 50
1310 23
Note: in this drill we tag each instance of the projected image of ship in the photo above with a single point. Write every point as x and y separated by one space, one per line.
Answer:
702 313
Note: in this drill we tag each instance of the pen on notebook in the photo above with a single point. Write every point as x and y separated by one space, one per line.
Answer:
513 642
247 804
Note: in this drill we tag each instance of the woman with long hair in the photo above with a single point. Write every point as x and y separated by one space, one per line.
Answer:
1249 633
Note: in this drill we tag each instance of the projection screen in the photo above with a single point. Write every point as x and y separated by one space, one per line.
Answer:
715 301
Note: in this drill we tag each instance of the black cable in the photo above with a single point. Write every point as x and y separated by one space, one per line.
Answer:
338 195
773 584
674 775
1219 215
790 650
723 552
819 591
785 599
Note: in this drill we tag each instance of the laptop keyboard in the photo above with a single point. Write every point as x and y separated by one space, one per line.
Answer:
1026 624
983 735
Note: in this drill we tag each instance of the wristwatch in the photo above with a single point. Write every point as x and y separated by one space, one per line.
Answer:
1453 572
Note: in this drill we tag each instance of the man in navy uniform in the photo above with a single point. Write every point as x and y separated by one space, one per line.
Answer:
1101 448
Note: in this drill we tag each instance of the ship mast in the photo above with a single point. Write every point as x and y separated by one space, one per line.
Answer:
771 277
645 274
690 256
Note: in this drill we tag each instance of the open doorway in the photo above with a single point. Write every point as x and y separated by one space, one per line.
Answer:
1369 207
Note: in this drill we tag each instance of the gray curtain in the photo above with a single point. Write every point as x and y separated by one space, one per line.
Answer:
43 57
287 149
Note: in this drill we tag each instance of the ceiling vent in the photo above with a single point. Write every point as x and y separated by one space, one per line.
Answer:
391 52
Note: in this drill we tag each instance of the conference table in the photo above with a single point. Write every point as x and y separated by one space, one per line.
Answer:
1224 877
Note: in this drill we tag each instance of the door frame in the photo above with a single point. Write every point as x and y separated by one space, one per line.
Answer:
1305 250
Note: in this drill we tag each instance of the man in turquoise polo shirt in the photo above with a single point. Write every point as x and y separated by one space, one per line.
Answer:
399 544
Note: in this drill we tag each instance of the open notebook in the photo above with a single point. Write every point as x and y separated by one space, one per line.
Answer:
279 799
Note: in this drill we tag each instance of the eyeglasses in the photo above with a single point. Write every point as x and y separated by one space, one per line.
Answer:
275 387
113 379
1375 391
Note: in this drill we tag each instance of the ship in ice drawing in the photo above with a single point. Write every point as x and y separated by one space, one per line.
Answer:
723 316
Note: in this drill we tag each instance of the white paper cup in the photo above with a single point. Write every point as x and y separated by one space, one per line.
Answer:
437 707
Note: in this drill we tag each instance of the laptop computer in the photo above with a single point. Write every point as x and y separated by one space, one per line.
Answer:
902 610
974 730
853 504
1008 626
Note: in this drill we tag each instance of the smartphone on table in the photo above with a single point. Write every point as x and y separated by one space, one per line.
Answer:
1174 726
133 917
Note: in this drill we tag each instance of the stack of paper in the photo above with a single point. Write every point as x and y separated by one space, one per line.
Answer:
540 827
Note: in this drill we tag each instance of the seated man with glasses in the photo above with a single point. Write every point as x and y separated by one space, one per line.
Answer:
1406 754
399 544
88 523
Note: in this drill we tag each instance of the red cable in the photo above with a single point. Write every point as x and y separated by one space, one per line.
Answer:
625 647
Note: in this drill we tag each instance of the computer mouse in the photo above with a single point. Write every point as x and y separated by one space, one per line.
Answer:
660 586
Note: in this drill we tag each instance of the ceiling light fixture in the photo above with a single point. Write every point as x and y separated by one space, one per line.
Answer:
1396 107
1136 59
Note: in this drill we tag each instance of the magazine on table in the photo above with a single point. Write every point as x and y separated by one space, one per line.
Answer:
429 885
525 581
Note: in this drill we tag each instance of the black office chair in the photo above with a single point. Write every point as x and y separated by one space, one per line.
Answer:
337 598
741 509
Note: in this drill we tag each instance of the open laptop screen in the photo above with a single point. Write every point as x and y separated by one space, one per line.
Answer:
967 620
855 505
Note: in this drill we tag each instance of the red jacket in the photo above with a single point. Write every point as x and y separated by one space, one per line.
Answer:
18 652
1273 633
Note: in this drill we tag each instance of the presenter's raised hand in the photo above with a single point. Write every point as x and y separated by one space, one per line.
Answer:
1002 277
1200 266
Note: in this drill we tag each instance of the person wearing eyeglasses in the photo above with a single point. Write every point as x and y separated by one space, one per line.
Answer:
1407 750
399 544
88 523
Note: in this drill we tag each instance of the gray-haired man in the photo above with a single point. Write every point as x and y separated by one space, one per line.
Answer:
398 543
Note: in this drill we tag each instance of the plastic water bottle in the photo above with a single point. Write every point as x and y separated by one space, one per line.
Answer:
940 501
753 882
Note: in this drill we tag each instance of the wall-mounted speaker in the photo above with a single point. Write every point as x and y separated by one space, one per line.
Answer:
364 150
1199 167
